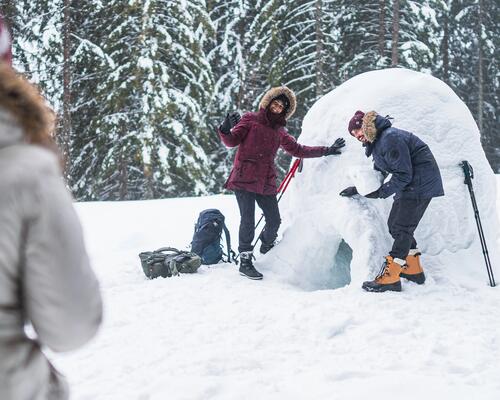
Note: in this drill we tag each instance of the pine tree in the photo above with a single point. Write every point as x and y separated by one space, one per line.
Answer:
184 129
152 84
365 36
308 63
91 67
226 55
469 38
417 46
488 96
37 43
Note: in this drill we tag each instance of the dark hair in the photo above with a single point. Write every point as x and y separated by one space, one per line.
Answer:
284 99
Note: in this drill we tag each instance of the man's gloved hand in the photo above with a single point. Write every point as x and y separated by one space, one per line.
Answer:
229 122
335 147
349 192
373 195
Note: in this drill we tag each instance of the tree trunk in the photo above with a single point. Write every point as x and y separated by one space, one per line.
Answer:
381 28
445 47
395 33
65 132
247 74
480 78
319 49
9 14
123 176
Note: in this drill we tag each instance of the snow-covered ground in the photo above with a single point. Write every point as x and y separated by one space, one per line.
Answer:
216 335
292 336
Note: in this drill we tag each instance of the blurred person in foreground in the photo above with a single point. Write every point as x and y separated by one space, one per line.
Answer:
415 181
45 277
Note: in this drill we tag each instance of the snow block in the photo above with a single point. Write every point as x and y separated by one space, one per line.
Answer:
316 220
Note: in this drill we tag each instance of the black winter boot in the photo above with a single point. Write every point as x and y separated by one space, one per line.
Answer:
246 266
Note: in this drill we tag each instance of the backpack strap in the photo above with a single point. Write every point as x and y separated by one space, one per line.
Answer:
172 263
228 243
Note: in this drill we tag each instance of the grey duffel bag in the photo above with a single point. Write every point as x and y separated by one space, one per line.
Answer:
168 261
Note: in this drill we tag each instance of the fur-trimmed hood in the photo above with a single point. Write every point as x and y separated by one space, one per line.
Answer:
10 131
24 113
372 124
275 92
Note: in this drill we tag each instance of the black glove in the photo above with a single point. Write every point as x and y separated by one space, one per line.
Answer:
349 192
373 195
229 122
335 147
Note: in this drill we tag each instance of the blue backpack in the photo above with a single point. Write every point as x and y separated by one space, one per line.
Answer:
207 237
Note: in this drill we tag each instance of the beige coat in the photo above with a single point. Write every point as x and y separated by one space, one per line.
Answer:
45 277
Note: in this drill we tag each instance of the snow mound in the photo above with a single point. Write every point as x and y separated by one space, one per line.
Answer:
329 241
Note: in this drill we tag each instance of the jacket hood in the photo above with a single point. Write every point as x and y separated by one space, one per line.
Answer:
273 121
10 131
373 124
24 113
275 92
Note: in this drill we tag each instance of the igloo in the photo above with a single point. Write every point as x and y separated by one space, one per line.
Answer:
329 241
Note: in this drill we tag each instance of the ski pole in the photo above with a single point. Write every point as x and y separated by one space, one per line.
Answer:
281 190
469 175
288 176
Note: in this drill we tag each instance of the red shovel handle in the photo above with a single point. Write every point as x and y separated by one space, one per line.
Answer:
289 175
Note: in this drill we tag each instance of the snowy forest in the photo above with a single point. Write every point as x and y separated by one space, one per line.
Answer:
139 86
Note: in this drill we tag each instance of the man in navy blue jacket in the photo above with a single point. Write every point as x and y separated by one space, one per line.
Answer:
415 181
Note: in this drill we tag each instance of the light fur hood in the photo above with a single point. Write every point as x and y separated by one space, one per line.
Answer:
275 92
369 129
10 131
22 108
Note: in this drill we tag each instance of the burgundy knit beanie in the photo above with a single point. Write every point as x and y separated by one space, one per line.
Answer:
5 43
356 121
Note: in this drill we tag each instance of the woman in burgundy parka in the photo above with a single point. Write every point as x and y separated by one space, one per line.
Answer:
259 135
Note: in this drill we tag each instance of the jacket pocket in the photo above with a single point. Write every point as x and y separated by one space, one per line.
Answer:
247 171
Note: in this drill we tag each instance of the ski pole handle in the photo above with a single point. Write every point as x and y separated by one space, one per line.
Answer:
468 171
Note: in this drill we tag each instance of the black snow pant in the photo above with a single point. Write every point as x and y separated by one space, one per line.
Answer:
403 220
269 205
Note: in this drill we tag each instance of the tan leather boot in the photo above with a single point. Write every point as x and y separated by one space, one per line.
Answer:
413 270
388 278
